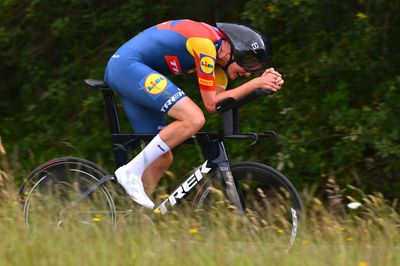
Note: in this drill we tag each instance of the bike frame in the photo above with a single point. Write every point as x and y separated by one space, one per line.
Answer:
216 159
211 144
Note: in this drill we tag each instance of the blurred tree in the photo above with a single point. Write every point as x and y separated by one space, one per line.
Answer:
337 114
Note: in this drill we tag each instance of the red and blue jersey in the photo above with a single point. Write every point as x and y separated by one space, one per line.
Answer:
137 71
180 46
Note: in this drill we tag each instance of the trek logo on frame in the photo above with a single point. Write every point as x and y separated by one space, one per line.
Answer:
184 188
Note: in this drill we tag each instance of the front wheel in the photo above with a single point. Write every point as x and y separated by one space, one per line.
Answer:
51 193
272 203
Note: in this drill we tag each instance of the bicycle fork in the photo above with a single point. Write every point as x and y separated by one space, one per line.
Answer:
229 182
215 152
232 189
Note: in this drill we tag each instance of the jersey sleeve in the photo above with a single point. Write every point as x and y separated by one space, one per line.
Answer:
204 53
221 78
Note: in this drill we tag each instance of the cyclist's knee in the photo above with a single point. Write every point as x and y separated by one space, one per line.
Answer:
197 122
189 113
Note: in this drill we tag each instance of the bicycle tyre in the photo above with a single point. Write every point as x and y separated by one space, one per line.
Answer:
272 202
53 187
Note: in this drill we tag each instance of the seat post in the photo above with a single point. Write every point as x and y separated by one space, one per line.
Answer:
121 153
112 113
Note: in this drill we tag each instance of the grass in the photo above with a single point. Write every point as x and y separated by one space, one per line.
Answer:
328 235
368 235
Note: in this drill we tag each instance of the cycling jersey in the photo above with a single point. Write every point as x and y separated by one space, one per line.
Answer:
137 70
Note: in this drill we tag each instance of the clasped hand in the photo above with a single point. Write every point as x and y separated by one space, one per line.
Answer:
270 80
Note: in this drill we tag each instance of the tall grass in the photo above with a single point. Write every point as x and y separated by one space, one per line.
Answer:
367 236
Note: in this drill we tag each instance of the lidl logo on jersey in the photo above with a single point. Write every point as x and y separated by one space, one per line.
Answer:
154 84
207 64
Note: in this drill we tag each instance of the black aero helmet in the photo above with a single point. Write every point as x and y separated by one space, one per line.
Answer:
250 48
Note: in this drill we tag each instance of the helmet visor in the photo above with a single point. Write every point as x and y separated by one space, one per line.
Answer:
248 62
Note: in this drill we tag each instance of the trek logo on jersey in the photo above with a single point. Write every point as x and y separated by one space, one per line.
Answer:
173 64
154 84
207 64
168 104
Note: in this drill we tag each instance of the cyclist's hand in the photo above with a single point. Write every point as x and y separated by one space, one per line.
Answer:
278 77
273 71
270 80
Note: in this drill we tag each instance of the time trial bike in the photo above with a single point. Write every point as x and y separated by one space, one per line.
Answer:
72 190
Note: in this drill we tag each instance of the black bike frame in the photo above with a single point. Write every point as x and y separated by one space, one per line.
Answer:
211 144
214 153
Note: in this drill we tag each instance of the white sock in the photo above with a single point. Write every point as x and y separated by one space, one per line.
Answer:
149 154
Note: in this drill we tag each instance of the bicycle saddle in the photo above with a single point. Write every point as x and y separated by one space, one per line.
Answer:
96 84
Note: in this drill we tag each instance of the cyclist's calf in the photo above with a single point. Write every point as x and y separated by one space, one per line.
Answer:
153 173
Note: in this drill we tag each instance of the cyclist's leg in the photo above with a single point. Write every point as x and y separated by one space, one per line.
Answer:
153 173
142 85
154 122
141 118
189 119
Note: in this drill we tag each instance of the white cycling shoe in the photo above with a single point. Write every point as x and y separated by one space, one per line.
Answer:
133 186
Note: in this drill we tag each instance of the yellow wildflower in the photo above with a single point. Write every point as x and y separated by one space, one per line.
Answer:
97 218
163 196
194 231
361 15
362 263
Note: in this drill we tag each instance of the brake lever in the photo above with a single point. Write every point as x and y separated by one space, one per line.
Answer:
270 133
255 135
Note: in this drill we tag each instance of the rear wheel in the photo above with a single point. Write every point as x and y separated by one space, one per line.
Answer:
272 203
51 193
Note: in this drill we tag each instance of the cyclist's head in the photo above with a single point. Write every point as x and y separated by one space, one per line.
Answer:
250 49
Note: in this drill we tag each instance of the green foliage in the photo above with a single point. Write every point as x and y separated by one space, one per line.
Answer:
337 113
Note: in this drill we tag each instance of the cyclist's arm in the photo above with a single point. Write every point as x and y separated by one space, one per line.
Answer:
212 88
212 78
266 81
211 98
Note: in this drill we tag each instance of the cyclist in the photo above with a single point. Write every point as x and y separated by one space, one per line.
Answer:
137 73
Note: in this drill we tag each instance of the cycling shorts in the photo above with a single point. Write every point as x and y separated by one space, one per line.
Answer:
146 95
